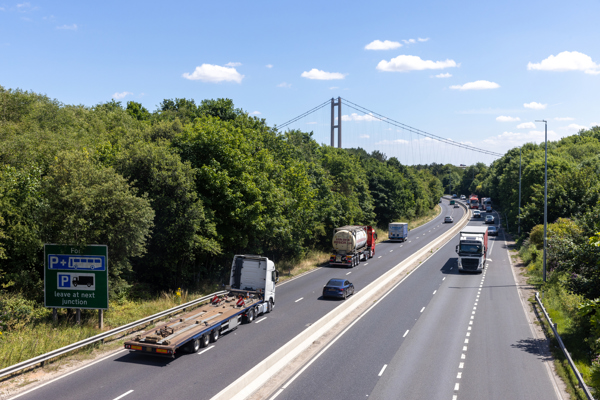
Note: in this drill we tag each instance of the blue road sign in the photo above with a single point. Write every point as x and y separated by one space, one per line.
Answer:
76 262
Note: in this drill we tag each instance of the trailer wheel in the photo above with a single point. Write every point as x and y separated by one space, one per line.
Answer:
194 345
250 315
204 340
214 335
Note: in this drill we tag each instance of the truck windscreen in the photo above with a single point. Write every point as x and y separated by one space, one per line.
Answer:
470 248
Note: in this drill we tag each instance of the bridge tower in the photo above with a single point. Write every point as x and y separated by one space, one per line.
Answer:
339 121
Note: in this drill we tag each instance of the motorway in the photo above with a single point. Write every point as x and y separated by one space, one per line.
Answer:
439 334
444 317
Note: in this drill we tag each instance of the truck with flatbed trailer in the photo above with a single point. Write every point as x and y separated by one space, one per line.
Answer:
251 292
472 248
351 243
397 231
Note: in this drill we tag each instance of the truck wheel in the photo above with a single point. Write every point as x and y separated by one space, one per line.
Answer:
269 306
214 335
204 340
250 315
194 345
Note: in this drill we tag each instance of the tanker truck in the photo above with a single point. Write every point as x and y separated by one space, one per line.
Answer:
351 243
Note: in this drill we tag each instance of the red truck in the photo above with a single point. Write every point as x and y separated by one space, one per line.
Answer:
473 201
351 243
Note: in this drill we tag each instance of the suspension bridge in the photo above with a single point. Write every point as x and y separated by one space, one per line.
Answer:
369 130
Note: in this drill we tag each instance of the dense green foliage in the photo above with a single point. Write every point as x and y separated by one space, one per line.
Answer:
176 192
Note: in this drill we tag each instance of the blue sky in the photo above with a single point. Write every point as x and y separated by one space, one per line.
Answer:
278 60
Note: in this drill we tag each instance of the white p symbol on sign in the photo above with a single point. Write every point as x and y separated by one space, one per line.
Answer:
64 281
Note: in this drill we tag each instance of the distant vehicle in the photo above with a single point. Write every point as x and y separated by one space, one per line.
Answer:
489 219
338 288
488 208
452 202
492 230
454 196
476 214
473 201
351 243
398 231
455 205
448 219
462 197
472 248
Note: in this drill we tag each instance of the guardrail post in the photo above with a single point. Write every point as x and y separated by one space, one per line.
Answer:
101 320
78 316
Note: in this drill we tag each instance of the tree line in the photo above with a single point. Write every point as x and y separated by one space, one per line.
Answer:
174 193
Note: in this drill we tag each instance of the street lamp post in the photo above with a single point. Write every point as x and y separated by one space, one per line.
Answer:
519 228
545 191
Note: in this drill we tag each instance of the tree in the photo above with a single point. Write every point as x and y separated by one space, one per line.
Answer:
137 111
86 203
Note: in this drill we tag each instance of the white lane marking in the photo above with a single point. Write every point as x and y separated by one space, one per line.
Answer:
462 356
466 341
205 350
382 369
123 395
410 241
468 328
276 394
472 317
470 322
461 365
468 333
464 348
454 397
405 333
260 320
473 312
434 291
349 273
444 279
379 257
391 251
456 387
401 245
459 375
366 263
422 309
299 299
67 374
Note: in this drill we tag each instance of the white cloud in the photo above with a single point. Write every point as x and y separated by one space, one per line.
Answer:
119 96
409 41
255 113
595 124
334 87
445 75
214 73
564 119
404 63
567 61
364 136
397 141
311 123
322 75
526 125
575 127
477 85
356 117
509 140
535 106
423 40
269 65
385 45
504 118
233 64
285 85
68 27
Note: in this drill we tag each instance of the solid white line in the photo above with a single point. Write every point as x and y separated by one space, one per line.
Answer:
349 273
422 309
276 394
382 369
405 333
260 320
206 349
65 375
299 299
123 395
434 291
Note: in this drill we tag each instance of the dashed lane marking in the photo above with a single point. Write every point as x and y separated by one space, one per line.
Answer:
382 369
299 299
405 333
205 350
422 309
123 395
349 273
260 320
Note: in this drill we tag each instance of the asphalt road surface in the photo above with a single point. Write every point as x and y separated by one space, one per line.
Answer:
131 376
439 334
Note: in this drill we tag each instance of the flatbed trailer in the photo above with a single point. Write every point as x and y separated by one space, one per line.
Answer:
249 295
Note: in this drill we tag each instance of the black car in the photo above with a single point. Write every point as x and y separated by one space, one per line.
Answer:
338 288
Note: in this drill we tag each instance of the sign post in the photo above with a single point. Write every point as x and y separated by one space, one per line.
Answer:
76 277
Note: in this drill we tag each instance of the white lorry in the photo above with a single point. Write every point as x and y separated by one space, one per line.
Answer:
251 293
472 248
398 231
